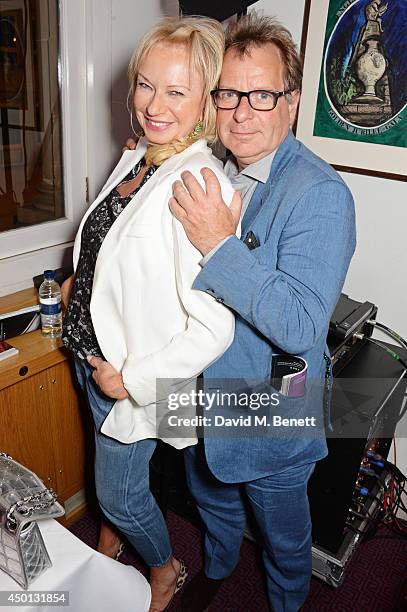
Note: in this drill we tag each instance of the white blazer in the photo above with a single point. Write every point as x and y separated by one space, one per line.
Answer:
148 321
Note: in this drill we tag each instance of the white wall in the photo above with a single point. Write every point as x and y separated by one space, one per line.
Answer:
289 15
127 28
114 28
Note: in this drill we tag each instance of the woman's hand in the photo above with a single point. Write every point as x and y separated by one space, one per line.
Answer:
130 145
108 379
66 289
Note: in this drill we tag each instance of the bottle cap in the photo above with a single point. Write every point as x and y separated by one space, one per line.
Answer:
49 274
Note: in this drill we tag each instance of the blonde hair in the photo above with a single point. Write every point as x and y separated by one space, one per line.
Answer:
205 40
254 30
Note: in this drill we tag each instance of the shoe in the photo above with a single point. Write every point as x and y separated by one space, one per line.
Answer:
113 553
179 583
200 593
181 579
120 551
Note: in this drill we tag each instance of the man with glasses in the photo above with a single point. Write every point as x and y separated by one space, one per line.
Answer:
282 279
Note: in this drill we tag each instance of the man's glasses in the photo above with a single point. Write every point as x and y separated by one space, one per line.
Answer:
259 99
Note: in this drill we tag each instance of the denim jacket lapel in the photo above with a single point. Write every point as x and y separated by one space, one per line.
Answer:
262 192
254 207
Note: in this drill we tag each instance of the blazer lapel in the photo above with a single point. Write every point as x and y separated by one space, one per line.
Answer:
254 207
169 167
128 160
141 199
262 194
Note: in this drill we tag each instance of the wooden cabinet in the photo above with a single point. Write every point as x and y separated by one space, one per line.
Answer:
43 418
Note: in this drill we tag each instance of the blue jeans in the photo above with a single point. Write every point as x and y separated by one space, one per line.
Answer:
280 506
122 480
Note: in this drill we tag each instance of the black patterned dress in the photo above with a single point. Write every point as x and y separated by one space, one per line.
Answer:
78 334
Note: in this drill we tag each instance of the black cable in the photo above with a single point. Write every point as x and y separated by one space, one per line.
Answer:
398 488
396 498
390 332
362 516
397 358
387 516
388 350
395 471
399 504
402 504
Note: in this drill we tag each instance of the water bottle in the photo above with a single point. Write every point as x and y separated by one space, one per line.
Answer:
50 302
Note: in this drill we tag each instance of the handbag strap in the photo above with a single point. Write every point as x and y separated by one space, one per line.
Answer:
42 500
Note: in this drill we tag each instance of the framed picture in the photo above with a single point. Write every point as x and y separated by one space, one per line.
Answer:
353 109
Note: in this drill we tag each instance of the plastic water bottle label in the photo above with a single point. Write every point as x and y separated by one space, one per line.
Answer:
51 309
50 306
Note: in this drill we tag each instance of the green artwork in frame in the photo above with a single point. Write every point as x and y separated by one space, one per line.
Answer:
353 106
362 94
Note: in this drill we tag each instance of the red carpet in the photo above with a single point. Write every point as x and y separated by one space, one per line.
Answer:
375 580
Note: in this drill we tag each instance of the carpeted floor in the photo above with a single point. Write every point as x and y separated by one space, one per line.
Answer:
375 581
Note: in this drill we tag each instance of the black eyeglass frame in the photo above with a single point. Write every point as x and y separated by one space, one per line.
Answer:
246 94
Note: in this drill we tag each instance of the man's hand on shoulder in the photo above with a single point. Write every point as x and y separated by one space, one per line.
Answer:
206 218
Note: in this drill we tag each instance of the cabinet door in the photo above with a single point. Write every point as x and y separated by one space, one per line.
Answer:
68 424
25 425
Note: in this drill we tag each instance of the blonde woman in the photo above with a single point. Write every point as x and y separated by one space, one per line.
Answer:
133 316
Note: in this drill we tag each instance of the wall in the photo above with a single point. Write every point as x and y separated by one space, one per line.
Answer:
124 40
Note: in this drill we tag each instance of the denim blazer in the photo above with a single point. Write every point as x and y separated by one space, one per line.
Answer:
283 293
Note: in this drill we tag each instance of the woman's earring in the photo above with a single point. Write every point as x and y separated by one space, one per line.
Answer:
197 130
130 110
138 134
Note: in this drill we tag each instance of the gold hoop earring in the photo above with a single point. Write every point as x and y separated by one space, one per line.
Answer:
130 111
138 134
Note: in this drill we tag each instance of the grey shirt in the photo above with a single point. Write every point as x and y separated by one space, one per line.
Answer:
246 182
